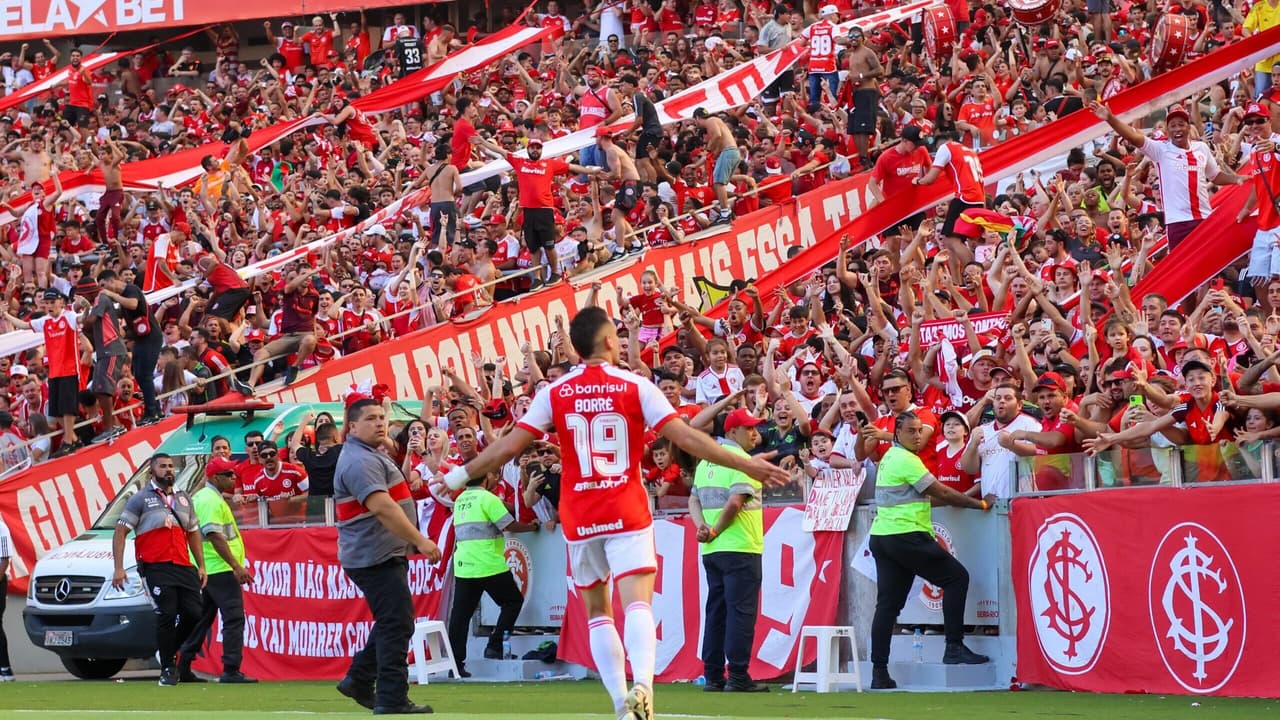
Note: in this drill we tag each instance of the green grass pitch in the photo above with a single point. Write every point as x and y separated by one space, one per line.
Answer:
586 700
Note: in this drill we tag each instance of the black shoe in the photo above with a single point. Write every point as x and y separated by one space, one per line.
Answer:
462 672
235 677
290 374
67 449
362 695
185 675
959 654
406 709
749 686
240 387
713 686
555 278
880 679
493 653
169 677
150 419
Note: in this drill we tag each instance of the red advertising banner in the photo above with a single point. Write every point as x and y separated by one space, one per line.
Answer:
951 330
57 18
800 587
1158 590
304 618
57 500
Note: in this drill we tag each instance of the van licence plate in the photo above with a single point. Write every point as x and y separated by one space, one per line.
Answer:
57 638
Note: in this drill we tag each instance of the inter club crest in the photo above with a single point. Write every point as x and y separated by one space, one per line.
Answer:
1070 594
1197 608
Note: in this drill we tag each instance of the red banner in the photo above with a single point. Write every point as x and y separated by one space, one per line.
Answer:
951 330
800 587
57 500
1175 598
56 18
304 618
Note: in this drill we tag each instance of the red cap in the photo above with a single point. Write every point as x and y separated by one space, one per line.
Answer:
741 417
773 165
535 141
182 227
603 131
1051 380
255 336
218 465
1177 110
497 219
1254 109
506 126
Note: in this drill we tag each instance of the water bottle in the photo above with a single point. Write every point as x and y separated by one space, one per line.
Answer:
506 646
544 674
700 680
917 646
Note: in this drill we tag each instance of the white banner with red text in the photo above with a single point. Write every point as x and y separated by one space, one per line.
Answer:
800 586
730 89
1152 590
304 617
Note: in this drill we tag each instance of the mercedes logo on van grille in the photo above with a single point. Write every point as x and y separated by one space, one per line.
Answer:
63 590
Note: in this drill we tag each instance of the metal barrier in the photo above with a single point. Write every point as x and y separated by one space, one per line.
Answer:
1168 466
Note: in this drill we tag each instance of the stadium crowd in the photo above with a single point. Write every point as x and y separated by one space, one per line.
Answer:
1079 365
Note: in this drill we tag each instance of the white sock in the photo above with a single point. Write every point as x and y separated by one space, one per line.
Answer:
611 663
642 642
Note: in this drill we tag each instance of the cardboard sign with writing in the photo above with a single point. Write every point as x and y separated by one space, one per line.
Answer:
831 499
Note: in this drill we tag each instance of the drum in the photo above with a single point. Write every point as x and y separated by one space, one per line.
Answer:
1174 37
939 32
1033 12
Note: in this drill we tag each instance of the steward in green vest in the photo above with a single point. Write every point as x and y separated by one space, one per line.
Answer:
480 566
725 506
224 565
903 546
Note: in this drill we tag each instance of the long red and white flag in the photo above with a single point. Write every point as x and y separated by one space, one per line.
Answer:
730 89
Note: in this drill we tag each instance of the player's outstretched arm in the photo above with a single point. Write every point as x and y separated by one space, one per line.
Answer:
700 444
493 457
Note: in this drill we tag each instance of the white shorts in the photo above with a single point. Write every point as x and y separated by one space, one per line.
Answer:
1264 256
594 560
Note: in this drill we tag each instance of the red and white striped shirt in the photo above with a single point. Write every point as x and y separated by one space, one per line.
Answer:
1184 178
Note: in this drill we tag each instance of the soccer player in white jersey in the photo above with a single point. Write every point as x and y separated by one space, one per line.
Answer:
600 412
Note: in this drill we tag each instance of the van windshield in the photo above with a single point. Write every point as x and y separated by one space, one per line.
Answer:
189 470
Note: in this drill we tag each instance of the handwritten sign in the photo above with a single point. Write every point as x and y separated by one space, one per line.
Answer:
951 330
831 499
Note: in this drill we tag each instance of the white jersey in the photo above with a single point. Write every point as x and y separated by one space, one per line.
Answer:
997 461
29 230
710 387
1184 178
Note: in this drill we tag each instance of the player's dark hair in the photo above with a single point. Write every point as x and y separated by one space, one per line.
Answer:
585 329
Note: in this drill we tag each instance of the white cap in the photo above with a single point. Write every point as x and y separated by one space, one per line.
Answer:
713 42
376 230
17 370
828 10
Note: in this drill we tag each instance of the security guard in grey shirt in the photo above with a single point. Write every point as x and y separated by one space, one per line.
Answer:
376 530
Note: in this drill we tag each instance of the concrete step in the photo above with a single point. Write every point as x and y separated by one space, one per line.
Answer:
934 645
936 677
483 670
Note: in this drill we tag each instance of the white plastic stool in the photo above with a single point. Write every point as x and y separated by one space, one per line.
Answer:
827 638
432 634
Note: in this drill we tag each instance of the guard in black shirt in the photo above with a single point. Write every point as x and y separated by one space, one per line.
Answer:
140 327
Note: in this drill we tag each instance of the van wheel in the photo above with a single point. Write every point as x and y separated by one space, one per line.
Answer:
92 668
